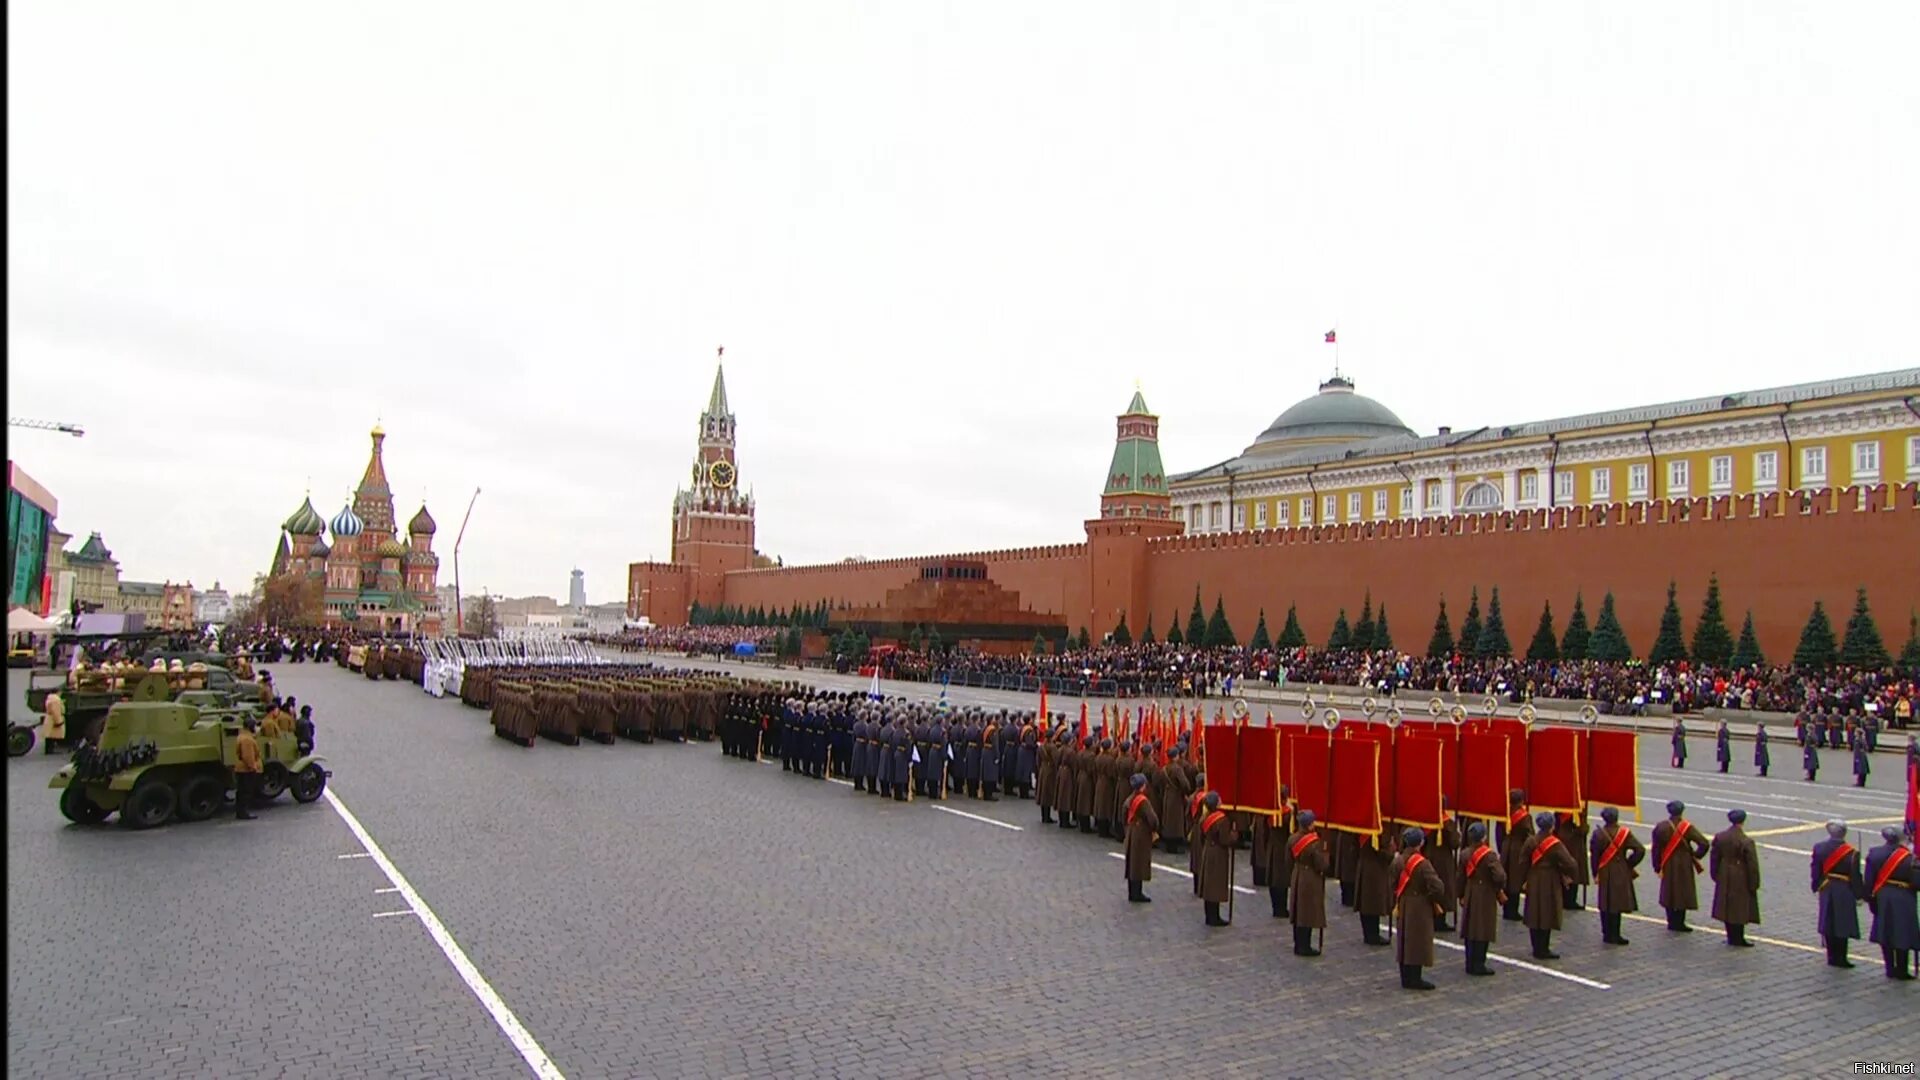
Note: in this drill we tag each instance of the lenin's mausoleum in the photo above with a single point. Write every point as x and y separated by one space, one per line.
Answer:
1789 495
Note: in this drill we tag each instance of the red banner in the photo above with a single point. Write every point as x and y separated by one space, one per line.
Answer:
1259 783
1484 777
1309 761
1353 803
1222 746
1553 777
1613 765
1417 780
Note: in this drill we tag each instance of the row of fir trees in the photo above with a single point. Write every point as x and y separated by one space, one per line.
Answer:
1605 640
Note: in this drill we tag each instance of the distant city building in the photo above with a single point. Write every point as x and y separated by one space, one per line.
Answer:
712 527
213 606
176 606
577 591
146 598
96 575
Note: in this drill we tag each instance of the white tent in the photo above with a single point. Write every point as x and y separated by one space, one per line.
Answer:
22 621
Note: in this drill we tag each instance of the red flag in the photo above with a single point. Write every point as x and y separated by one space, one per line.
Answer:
1043 702
1330 340
1081 735
1913 797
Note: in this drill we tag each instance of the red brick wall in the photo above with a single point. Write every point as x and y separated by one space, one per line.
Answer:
1052 580
665 587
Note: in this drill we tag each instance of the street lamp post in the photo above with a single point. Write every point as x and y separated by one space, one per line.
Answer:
1230 471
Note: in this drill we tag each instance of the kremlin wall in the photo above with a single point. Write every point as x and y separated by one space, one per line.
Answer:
1775 551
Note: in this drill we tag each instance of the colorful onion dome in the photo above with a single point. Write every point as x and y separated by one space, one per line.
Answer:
305 521
422 523
347 523
391 549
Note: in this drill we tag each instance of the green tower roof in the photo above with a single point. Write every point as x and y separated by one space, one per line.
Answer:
1136 468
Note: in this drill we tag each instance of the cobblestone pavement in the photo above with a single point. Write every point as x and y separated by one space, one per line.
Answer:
666 911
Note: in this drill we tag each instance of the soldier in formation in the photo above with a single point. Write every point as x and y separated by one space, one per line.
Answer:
1893 879
1416 906
1678 848
1615 854
1839 888
1735 865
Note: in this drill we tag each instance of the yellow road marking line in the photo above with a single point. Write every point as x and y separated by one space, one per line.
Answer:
1750 937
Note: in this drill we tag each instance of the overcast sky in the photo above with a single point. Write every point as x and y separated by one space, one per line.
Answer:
939 242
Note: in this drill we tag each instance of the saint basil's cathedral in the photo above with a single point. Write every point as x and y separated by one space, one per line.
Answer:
373 580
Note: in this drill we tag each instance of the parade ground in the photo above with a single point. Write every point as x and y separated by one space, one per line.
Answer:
458 906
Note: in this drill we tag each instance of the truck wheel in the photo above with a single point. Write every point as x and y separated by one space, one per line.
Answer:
273 781
201 797
308 783
19 740
151 803
78 808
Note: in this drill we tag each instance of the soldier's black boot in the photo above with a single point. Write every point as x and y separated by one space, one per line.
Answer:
1410 978
1570 898
1137 893
991 795
1370 925
1066 820
1213 915
1303 942
1346 894
1837 953
1477 958
1046 816
1510 911
1279 897
1543 945
1086 824
1677 921
1026 792
1737 936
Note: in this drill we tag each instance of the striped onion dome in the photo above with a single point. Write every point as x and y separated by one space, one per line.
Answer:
347 523
320 550
305 521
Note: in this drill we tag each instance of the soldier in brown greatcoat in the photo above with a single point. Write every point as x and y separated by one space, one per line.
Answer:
1043 776
1217 841
1142 824
1176 788
1064 754
1416 904
1573 830
1512 838
1279 865
1443 851
1103 785
1615 854
1307 855
1482 890
1373 887
1196 808
1735 866
1549 864
1677 849
1346 864
1085 763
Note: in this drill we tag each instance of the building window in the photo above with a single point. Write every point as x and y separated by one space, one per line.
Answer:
1481 497
1406 502
1433 495
1217 518
1353 506
1637 481
1676 478
1380 503
1721 476
1866 461
1306 511
1283 511
1601 486
1239 516
1329 509
1813 465
1766 469
1563 486
1529 487
1179 513
1260 515
1913 456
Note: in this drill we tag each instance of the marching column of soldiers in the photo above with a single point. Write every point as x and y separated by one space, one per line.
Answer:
1419 882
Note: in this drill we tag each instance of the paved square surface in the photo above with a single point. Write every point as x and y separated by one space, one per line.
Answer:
666 911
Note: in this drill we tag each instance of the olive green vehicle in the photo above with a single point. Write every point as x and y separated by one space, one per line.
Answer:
87 706
159 761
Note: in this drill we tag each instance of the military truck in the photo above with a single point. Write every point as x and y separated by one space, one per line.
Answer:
159 760
99 689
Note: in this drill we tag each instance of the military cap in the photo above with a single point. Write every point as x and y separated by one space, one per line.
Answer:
1516 797
1412 836
1543 821
1736 816
1477 832
1836 829
1306 819
1213 800
1890 834
1609 815
1139 780
1676 808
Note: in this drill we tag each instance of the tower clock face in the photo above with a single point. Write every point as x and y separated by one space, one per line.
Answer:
721 473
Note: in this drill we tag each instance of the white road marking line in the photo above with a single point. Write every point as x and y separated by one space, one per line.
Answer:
1750 937
1242 889
1525 966
386 890
391 914
976 817
509 1024
1788 850
355 855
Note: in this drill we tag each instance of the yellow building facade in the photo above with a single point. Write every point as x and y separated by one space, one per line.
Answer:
1339 457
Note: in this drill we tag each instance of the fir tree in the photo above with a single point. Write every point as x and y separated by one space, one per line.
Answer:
1291 636
1085 639
1670 645
1544 647
1862 647
1440 645
1470 626
1261 641
1816 641
1747 654
1910 656
1608 643
1342 636
1573 644
1492 641
1219 633
1712 644
1121 635
1174 636
1382 637
1146 636
1363 630
1197 622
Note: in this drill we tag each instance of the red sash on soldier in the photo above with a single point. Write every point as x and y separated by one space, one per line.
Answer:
1519 817
1193 804
1134 804
1211 821
1887 868
1473 863
1547 843
1674 843
1613 848
1302 842
1834 859
1406 874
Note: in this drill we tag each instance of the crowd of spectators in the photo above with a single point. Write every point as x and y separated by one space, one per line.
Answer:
695 640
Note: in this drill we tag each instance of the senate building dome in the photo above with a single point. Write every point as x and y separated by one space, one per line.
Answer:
1334 415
